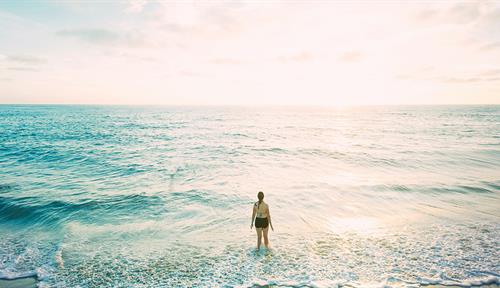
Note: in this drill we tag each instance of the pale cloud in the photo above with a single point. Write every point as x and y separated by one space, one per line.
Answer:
26 59
29 69
460 12
426 14
487 75
467 80
228 61
99 36
298 57
466 12
27 62
350 56
186 73
136 6
490 46
490 72
423 70
104 36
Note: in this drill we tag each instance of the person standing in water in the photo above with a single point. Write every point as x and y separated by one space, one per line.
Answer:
262 221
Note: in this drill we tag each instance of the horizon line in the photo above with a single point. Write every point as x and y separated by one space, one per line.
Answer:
249 105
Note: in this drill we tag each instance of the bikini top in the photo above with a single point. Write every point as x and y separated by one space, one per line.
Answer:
261 210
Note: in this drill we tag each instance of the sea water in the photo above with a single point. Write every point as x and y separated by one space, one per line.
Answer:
117 196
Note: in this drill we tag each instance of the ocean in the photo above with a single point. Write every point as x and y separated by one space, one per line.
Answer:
145 196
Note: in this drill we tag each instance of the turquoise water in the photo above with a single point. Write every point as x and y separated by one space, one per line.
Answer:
111 196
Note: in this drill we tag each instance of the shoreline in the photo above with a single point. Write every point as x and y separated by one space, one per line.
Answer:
32 281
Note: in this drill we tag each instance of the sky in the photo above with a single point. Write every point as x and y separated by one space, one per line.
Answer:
315 52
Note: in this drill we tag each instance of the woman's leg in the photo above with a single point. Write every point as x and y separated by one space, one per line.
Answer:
266 240
259 237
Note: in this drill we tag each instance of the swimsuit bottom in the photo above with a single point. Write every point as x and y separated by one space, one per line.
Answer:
261 222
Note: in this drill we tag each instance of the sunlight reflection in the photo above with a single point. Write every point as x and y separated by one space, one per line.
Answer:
360 225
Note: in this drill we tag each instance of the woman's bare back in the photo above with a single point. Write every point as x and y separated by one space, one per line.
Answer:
261 209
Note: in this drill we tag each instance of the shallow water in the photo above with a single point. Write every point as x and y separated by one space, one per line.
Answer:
109 196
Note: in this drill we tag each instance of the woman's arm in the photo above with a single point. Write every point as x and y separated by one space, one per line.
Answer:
253 216
269 216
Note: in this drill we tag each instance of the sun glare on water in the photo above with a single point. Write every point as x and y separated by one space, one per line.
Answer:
358 225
